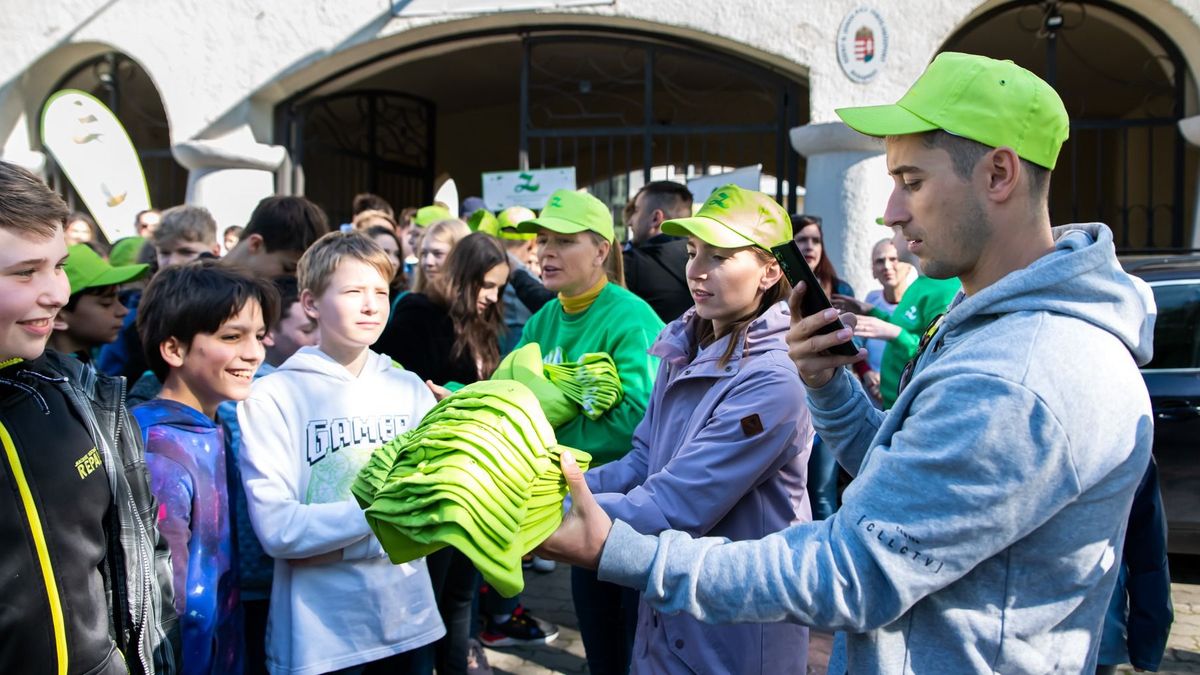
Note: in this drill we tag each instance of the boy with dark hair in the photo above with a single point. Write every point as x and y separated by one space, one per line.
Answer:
279 231
87 581
202 324
293 330
336 600
94 314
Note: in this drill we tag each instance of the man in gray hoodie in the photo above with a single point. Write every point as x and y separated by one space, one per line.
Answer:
983 530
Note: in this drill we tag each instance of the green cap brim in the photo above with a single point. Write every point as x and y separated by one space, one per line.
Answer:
115 275
551 223
884 120
708 230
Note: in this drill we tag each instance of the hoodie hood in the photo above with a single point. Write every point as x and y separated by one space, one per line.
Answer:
767 332
171 413
313 360
1081 278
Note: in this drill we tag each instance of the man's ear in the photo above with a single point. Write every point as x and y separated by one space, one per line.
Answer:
269 339
1003 173
172 351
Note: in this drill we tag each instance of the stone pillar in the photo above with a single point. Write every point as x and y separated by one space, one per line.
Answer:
229 175
1189 127
847 185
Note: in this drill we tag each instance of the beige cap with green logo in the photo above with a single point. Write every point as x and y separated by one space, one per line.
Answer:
734 217
568 212
510 218
996 103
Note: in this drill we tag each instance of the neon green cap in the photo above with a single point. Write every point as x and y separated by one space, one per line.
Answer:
428 215
125 251
568 212
734 217
996 103
86 269
482 220
510 218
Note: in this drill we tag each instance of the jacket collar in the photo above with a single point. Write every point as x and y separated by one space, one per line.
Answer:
674 344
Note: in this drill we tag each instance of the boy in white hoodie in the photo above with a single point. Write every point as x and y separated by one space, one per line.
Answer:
337 602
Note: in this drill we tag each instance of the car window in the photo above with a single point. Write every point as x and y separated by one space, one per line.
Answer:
1177 329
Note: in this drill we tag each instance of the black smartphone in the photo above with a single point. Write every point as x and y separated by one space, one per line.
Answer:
796 269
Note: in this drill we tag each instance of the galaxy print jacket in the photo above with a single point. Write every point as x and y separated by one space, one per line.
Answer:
186 454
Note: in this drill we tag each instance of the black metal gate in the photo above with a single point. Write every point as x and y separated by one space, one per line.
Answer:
1126 170
356 141
615 107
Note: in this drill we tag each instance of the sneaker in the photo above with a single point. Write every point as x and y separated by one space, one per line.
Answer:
522 628
542 565
477 663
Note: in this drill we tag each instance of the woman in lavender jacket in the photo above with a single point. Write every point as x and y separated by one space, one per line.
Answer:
724 445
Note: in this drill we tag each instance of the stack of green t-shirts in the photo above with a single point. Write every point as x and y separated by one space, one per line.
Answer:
480 473
524 365
592 382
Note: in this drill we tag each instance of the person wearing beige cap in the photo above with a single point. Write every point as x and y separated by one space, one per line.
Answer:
983 531
723 449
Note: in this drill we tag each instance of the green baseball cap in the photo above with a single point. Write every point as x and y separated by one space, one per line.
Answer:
510 218
734 217
86 269
125 251
568 212
482 220
996 103
428 215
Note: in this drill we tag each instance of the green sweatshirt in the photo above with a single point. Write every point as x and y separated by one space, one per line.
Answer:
920 305
622 325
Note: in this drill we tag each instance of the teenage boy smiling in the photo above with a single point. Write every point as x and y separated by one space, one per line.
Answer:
86 581
203 325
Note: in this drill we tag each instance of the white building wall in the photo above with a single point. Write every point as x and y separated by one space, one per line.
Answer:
222 65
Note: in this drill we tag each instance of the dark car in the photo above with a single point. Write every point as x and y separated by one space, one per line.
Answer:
1173 378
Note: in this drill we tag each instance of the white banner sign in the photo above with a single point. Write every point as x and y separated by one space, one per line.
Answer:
92 149
531 189
748 177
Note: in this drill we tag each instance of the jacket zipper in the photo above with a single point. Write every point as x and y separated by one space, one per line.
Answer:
147 568
39 543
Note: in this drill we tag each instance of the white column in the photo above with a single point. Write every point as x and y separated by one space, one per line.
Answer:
229 175
847 184
1189 127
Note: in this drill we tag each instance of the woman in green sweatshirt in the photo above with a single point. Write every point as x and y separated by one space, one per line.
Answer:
593 314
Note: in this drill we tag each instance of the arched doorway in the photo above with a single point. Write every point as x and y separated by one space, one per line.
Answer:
616 105
128 91
1125 86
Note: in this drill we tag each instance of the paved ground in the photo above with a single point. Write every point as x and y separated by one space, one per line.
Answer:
549 596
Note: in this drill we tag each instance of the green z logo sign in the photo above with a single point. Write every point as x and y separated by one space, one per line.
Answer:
556 202
526 184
